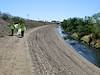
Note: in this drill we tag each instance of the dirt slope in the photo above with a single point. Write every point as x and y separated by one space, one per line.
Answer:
3 30
14 56
41 52
51 56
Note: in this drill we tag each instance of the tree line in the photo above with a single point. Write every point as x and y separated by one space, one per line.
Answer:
83 26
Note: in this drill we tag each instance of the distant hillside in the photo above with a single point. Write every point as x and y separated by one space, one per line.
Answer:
32 23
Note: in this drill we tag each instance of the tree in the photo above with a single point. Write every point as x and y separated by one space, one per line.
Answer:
97 25
17 20
0 14
6 16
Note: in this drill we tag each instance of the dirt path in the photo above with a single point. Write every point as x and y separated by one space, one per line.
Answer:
14 56
51 56
41 52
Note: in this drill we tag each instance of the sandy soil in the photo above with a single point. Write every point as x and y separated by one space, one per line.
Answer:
42 52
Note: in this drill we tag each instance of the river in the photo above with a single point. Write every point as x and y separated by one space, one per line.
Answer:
90 54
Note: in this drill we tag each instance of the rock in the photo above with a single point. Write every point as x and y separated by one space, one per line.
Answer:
85 38
97 45
75 36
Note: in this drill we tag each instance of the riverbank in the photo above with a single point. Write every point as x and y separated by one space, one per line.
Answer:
88 40
90 53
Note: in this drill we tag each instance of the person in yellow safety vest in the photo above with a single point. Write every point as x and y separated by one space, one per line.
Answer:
22 28
18 30
16 27
12 27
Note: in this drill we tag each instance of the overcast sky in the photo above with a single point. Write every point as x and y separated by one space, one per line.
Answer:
50 9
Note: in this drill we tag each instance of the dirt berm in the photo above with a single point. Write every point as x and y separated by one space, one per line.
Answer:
42 52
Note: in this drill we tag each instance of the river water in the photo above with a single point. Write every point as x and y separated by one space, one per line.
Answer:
90 54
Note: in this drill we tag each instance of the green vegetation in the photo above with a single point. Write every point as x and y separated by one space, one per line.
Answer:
80 27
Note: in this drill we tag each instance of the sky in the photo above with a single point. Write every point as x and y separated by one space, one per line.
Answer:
50 9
